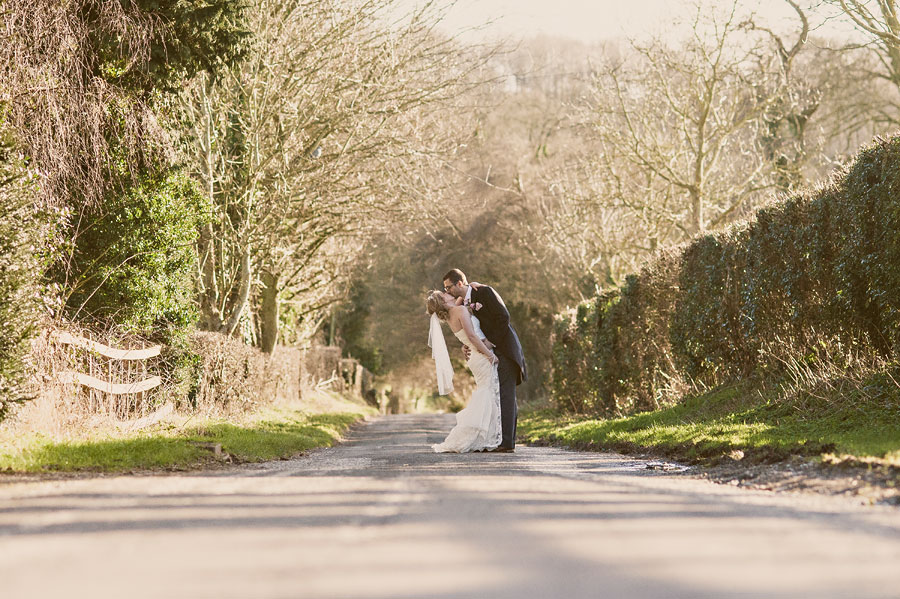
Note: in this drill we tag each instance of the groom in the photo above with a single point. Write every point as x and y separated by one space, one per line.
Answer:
494 317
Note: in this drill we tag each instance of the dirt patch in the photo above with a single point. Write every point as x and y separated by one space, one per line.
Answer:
780 470
867 481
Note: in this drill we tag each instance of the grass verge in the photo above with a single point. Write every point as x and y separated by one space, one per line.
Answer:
283 435
731 423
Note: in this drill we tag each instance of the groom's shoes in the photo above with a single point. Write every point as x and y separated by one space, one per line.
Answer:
502 449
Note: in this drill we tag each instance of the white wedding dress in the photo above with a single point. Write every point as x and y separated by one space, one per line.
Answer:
478 424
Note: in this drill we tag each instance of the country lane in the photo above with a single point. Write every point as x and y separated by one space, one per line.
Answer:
381 516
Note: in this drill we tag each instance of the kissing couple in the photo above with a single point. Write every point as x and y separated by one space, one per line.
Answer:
478 317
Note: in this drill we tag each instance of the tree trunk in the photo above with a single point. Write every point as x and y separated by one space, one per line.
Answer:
243 295
210 316
696 225
332 328
269 312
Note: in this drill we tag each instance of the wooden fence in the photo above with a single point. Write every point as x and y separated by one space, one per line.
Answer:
128 365
326 367
117 381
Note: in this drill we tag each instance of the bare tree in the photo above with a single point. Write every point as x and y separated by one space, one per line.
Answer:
785 139
680 127
880 20
325 133
521 163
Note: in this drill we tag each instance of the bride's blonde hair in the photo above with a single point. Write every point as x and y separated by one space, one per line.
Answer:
434 304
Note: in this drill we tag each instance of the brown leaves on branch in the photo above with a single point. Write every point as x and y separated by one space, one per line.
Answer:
76 125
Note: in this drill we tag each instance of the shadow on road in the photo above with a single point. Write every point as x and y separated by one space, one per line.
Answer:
538 523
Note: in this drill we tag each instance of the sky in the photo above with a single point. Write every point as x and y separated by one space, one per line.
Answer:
589 20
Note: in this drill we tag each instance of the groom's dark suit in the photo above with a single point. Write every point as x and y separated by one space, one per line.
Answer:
494 319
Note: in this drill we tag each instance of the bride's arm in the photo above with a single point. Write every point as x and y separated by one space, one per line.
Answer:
470 333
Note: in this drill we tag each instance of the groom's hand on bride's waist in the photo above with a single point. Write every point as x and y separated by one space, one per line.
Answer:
467 352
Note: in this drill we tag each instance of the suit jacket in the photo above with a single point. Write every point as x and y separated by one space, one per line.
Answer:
494 319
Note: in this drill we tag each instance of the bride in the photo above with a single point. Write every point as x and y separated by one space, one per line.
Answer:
478 425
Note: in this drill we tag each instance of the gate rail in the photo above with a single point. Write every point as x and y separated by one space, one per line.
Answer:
71 376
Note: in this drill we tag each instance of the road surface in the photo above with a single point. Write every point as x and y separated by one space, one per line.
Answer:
382 517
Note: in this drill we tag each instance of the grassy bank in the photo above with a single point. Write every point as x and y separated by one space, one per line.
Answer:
735 423
275 434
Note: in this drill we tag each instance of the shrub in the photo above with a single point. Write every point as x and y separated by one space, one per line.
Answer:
633 349
866 266
227 375
183 38
708 329
24 234
130 262
572 360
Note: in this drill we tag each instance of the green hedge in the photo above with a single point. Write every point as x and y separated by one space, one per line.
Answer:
129 262
24 249
808 274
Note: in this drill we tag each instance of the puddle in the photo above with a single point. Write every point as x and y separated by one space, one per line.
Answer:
654 466
662 466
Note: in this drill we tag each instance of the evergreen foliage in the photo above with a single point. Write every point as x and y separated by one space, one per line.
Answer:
187 37
130 262
24 234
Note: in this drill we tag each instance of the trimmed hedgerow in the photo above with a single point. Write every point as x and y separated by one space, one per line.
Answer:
809 273
635 372
572 354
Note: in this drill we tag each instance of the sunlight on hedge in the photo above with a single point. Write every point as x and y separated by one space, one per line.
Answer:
803 294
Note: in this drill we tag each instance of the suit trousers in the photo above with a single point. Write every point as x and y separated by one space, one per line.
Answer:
508 372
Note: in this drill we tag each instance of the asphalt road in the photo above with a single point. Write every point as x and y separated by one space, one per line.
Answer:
383 517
